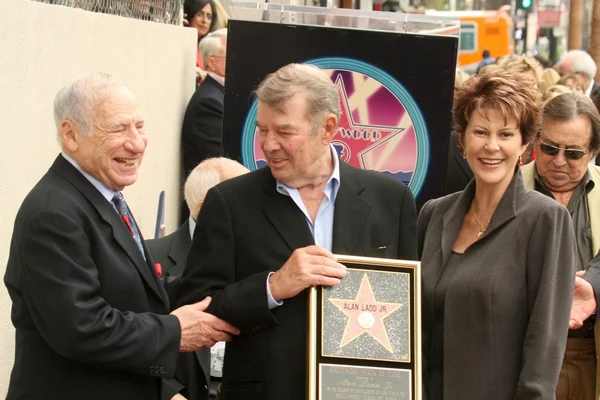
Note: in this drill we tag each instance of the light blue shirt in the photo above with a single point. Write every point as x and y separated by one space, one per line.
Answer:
106 193
322 229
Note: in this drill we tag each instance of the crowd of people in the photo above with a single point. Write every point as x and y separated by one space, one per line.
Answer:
510 284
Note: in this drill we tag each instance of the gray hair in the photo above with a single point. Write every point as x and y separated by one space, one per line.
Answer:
211 45
283 84
207 174
568 106
581 63
77 100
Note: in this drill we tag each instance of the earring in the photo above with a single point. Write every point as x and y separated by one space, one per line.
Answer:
464 155
520 160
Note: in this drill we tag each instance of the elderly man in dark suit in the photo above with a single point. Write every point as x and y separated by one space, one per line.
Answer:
203 120
171 251
265 237
90 313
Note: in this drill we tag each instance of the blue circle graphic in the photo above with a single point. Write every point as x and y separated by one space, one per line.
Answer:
347 64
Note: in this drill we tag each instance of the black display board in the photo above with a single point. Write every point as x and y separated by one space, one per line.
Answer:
395 92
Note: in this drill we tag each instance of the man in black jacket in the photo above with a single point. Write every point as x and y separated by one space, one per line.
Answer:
202 123
91 316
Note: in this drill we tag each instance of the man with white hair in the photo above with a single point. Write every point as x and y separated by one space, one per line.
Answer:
90 313
171 251
202 123
582 64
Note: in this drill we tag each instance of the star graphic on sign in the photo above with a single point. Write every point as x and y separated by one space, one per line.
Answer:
366 315
357 147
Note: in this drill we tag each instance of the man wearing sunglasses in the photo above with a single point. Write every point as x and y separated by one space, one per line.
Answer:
569 138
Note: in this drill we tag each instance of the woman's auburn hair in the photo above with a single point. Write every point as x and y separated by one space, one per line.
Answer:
506 91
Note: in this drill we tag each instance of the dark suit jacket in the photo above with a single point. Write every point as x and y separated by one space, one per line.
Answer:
458 174
247 229
193 369
202 124
507 305
86 306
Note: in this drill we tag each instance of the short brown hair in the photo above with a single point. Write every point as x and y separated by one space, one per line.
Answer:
568 106
503 90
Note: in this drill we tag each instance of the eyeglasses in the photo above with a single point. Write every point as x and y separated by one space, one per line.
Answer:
571 154
206 16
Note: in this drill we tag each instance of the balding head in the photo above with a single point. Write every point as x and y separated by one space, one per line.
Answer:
207 174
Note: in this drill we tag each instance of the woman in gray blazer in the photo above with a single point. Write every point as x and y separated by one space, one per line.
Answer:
497 260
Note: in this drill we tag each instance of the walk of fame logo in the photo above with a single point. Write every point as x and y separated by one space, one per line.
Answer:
380 127
366 315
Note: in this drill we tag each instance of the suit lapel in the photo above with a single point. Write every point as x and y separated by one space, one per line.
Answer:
453 217
180 246
350 213
452 220
594 208
507 208
110 216
285 216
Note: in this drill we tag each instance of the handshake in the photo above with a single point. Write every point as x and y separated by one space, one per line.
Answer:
200 329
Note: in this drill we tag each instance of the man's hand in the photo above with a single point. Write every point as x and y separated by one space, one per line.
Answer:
199 329
178 397
584 302
308 266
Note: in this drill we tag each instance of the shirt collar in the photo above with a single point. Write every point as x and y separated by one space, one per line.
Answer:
106 192
587 182
588 92
192 224
218 78
333 182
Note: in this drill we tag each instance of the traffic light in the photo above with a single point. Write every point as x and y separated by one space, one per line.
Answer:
524 5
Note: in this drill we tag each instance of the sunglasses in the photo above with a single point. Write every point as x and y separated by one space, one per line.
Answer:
571 154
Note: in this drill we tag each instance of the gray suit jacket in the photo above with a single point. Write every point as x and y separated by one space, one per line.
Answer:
507 305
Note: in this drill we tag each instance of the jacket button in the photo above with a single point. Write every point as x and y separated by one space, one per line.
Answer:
162 370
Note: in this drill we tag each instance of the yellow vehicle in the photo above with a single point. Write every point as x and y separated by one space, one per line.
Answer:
480 30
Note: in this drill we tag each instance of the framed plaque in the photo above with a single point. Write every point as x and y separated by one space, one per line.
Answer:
364 339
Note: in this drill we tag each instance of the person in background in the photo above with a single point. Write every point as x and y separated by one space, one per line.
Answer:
487 60
568 140
498 261
554 91
573 82
222 18
194 369
548 78
524 65
582 64
201 15
203 118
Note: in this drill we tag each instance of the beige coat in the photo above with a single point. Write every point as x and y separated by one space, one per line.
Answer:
593 198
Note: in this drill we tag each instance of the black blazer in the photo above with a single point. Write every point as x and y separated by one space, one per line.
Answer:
86 306
193 369
202 124
247 229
